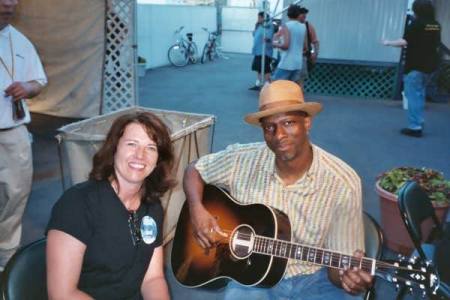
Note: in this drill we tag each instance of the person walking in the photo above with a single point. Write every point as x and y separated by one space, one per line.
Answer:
422 38
21 77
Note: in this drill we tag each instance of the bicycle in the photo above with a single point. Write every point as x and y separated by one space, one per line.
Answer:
212 48
184 50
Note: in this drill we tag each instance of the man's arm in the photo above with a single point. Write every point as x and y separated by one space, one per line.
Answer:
19 90
314 41
204 223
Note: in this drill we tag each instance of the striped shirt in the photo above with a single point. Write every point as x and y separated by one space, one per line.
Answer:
324 206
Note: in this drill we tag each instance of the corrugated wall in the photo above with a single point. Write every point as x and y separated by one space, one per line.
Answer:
353 29
443 16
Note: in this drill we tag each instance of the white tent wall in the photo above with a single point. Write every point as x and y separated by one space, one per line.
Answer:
69 37
443 16
353 29
238 24
156 25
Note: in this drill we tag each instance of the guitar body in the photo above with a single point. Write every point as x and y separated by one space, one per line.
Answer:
194 266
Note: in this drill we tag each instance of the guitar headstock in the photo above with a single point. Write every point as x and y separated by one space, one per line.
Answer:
417 276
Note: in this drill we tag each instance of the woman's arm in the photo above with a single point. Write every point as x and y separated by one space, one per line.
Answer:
64 259
154 285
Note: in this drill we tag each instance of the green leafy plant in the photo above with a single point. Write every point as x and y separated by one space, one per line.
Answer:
433 182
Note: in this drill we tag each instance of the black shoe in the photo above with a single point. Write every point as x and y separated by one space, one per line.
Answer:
255 88
411 132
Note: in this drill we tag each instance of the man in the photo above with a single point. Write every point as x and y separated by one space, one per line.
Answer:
21 77
320 194
257 50
422 38
311 50
291 39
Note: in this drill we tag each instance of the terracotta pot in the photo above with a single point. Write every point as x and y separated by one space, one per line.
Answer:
396 236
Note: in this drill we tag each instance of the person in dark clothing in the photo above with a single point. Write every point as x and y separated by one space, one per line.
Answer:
104 237
422 39
263 31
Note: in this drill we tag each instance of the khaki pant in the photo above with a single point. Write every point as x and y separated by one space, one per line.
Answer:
16 171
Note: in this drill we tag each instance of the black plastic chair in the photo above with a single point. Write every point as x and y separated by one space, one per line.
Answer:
24 276
373 243
415 208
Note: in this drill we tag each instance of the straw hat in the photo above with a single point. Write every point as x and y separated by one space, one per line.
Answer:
282 96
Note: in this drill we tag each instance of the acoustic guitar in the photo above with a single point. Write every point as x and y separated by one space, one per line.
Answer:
258 247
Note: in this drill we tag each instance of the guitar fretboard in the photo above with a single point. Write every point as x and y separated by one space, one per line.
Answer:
316 256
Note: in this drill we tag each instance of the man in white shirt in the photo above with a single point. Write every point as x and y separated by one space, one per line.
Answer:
21 77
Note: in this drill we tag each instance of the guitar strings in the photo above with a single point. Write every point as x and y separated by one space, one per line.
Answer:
363 261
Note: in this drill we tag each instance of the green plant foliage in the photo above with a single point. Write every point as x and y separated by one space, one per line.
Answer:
433 182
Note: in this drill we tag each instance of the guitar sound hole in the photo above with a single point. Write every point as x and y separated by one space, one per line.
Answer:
242 241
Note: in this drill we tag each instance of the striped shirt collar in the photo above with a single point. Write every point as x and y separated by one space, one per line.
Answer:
307 181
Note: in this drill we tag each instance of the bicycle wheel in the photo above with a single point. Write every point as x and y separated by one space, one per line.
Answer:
193 53
205 54
213 52
178 55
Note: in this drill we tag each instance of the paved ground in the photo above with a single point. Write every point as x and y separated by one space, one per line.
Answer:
364 133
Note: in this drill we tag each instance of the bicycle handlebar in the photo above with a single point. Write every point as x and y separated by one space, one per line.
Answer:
179 29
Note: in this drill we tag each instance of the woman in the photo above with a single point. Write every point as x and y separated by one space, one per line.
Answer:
104 237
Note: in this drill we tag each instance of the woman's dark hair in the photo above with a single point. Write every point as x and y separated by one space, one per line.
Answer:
423 9
160 179
293 11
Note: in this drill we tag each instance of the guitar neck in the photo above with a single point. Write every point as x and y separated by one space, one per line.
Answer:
318 256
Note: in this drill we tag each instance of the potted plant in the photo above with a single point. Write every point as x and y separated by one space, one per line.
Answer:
387 187
141 66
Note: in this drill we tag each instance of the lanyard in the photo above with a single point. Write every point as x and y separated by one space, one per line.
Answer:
11 72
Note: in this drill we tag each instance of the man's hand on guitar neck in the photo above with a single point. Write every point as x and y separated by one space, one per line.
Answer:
354 280
205 226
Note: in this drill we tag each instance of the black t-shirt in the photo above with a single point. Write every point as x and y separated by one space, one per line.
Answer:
113 268
424 38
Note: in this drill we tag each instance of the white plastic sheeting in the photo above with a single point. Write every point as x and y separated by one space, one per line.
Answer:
238 24
353 29
443 16
69 37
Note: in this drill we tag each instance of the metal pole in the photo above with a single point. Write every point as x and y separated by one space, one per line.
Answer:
134 41
275 8
284 9
263 55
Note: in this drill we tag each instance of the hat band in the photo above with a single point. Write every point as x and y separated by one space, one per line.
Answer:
278 104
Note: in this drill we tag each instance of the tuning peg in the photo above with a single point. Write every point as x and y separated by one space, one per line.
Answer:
397 287
413 259
428 263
